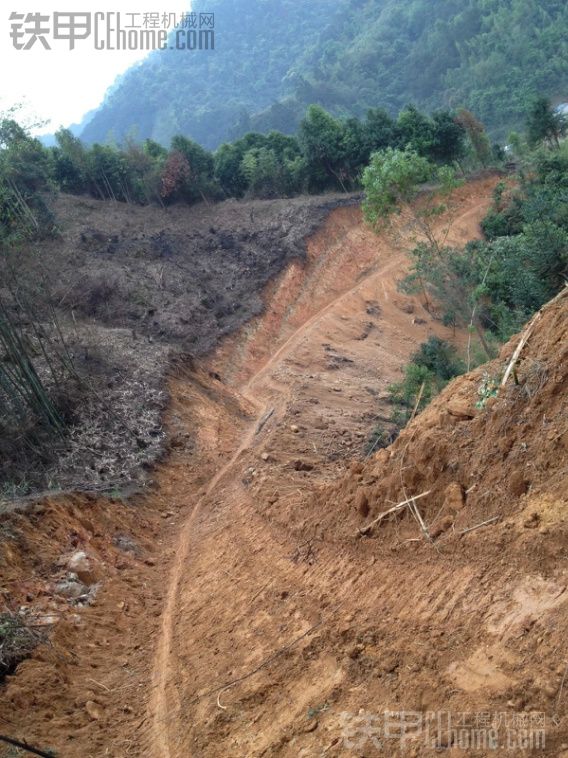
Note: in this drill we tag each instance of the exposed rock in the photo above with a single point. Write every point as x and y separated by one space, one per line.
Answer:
81 565
71 588
518 483
94 710
460 408
311 726
126 543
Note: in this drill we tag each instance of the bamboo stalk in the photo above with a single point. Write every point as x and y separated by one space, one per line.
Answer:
394 509
483 523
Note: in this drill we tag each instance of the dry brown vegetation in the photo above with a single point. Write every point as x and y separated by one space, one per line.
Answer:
117 293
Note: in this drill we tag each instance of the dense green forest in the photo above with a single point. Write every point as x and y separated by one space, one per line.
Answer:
275 57
326 154
486 55
205 94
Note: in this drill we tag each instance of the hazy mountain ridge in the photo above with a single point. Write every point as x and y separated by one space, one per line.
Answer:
274 57
203 93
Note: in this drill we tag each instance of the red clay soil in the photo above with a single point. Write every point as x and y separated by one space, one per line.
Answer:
240 610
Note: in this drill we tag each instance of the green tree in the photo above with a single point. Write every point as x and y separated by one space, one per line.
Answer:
544 124
144 168
391 183
448 138
379 130
321 139
415 130
107 172
356 150
70 163
228 170
262 170
24 176
478 138
199 184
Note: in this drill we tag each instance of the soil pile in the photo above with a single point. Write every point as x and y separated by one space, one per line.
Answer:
481 450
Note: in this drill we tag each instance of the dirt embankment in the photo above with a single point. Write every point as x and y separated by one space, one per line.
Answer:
240 612
480 449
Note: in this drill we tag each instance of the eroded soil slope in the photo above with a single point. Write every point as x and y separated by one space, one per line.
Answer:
240 612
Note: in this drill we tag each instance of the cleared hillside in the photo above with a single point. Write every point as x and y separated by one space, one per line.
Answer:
134 288
238 610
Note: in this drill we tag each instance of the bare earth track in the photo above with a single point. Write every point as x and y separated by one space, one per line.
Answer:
251 618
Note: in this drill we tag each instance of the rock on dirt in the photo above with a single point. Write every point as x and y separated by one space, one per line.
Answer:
83 566
461 408
454 497
71 588
127 544
95 711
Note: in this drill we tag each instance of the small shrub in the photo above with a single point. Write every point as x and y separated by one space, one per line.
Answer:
431 368
488 388
17 641
380 438
439 357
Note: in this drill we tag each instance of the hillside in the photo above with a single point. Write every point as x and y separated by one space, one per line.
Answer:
133 289
203 94
236 609
272 59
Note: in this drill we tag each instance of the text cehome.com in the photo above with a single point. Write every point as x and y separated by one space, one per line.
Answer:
109 35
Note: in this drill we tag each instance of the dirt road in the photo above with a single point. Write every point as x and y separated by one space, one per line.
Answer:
243 625
247 583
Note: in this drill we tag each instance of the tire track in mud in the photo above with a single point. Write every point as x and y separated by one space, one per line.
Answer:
259 391
158 702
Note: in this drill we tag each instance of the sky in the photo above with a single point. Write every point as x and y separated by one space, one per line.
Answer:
58 86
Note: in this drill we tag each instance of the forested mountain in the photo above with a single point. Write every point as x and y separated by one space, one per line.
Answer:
203 93
274 57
